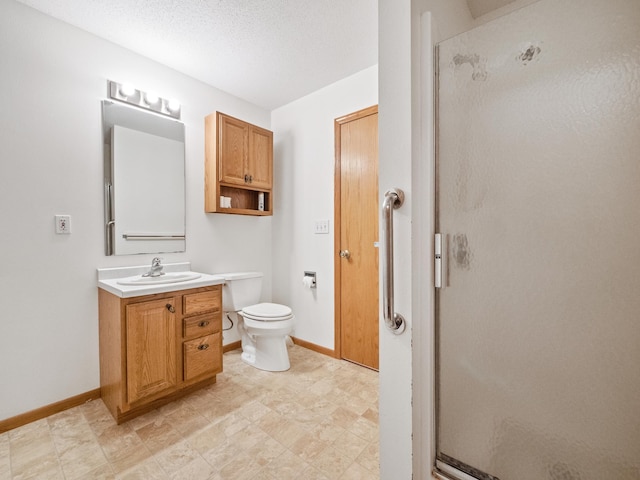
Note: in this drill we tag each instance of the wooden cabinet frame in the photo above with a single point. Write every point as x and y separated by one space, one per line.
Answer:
178 333
238 165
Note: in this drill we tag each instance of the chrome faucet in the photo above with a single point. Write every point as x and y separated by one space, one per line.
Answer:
156 268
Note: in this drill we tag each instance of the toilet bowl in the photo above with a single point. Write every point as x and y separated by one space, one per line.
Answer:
264 327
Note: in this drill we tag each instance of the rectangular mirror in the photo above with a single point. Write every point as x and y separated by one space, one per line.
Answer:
144 181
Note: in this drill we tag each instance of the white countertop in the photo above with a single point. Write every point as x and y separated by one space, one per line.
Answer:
108 280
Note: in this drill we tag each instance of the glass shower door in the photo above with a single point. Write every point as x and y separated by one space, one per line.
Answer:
538 318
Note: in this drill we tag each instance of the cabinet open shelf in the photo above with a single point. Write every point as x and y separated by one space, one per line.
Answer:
244 202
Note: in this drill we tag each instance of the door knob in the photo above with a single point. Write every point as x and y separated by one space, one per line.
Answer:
345 254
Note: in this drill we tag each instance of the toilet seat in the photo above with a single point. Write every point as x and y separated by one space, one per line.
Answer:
267 312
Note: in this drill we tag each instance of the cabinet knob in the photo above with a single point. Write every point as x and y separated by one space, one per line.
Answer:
203 323
246 179
250 178
204 346
171 308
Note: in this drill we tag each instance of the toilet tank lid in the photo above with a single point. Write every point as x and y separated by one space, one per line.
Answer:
267 310
239 275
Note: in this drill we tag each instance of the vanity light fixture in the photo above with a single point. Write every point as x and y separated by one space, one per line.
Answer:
127 93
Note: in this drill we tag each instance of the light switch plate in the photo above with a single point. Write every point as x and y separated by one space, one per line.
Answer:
321 226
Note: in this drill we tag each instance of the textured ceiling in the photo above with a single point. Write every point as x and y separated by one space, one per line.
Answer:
268 52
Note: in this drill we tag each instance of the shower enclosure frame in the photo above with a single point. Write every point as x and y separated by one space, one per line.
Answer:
436 373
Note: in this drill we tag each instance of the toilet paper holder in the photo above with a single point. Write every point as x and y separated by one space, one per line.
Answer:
312 277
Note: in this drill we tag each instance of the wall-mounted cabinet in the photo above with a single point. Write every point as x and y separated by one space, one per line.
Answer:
238 166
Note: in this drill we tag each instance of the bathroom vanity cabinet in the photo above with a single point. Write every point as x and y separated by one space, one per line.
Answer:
156 348
238 165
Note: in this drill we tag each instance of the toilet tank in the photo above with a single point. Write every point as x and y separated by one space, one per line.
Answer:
240 290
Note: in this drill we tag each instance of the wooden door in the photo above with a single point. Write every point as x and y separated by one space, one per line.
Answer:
151 348
356 214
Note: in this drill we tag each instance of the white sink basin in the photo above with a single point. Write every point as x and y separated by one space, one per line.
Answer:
175 277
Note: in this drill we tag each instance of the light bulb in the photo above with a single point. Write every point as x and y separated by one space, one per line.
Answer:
173 105
126 90
151 98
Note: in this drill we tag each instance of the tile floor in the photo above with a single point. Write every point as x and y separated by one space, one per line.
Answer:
317 421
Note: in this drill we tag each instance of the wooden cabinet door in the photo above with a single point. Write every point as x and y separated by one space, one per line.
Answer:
151 348
260 157
233 146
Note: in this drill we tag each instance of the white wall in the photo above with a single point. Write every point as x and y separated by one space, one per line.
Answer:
53 79
304 163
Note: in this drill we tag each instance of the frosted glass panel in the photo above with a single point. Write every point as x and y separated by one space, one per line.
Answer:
539 206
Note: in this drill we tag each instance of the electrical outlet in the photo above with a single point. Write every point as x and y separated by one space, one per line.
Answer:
321 226
63 223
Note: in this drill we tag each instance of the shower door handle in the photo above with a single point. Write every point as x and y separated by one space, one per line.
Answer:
393 199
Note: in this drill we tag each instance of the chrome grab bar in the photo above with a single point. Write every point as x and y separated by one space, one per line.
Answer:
393 199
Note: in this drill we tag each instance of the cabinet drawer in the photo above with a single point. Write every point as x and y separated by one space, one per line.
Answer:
202 355
201 302
200 325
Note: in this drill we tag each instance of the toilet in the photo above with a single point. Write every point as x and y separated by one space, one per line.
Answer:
264 327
